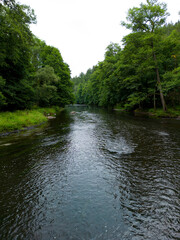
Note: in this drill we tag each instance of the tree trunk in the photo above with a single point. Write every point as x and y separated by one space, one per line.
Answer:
154 100
160 91
159 85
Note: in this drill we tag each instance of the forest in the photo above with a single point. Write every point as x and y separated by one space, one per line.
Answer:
31 72
142 74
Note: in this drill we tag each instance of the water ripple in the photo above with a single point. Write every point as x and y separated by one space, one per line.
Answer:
92 175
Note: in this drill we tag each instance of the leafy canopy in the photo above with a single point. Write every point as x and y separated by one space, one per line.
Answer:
147 18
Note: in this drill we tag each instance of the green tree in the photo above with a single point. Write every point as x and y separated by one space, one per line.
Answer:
15 51
25 78
47 55
46 91
171 86
148 18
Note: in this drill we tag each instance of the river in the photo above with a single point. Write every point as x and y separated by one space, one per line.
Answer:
95 174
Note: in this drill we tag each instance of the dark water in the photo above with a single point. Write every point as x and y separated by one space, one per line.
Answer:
92 175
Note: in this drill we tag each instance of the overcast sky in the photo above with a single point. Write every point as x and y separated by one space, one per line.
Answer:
82 29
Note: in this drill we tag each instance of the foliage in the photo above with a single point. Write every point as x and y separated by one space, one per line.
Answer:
46 90
97 86
25 79
144 72
44 55
16 39
147 18
171 112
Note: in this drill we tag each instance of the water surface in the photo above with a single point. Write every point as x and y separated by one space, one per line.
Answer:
92 175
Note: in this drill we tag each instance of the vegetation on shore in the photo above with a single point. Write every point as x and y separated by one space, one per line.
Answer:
10 121
170 113
144 73
31 72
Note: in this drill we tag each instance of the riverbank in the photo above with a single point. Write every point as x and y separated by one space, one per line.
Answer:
159 113
22 119
155 113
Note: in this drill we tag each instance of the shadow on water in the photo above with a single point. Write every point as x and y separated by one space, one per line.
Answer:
92 174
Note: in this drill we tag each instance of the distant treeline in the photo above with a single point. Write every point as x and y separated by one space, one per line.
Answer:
31 72
145 73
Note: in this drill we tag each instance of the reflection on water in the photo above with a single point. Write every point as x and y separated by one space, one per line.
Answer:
92 175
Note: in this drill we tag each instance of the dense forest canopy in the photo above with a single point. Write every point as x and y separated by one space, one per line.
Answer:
31 72
145 73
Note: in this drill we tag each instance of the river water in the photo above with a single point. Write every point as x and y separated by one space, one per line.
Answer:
92 175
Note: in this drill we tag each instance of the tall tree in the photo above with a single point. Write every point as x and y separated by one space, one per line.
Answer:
148 18
15 51
44 55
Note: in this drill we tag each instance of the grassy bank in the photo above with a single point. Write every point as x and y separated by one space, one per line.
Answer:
10 121
157 113
170 113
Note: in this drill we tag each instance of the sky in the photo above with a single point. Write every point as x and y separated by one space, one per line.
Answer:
82 29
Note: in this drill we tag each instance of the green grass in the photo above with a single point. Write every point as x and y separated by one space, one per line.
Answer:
171 112
10 121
